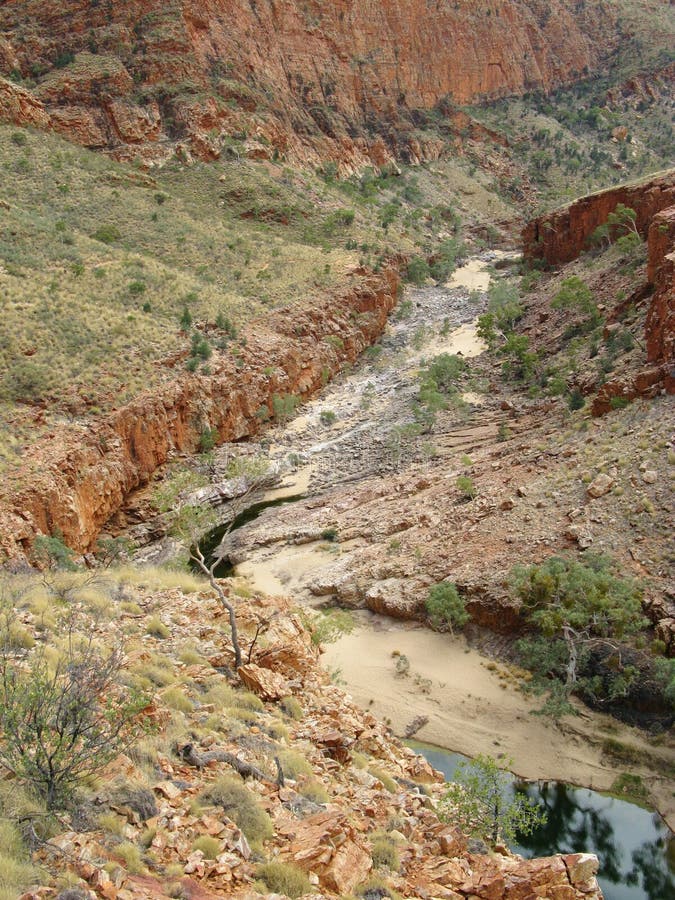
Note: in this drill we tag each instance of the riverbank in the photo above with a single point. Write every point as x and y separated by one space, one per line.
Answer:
474 705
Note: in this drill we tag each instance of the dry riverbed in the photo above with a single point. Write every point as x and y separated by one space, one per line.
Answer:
474 705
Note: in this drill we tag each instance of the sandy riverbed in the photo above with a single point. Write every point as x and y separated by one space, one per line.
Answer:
472 710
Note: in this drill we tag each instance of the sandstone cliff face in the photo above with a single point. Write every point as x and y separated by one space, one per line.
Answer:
309 80
660 325
74 481
562 235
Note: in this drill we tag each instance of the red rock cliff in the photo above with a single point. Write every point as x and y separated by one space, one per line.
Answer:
309 79
75 480
562 235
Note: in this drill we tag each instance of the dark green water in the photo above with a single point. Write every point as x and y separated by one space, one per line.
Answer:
635 847
210 542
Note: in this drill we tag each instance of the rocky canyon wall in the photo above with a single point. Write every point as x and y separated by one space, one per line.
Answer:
308 80
562 235
75 479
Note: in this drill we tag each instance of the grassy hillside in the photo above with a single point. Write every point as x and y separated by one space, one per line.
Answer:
99 262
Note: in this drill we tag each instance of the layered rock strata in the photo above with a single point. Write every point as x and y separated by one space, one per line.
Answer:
76 478
143 78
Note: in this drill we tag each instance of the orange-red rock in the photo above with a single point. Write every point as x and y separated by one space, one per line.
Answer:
77 482
561 236
310 77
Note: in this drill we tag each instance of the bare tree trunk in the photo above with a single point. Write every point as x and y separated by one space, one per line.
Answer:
573 658
198 557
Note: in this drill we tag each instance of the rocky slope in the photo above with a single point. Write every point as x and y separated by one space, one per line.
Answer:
563 235
76 478
347 779
309 81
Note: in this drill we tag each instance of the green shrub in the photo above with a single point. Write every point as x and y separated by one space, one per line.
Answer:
25 382
284 878
418 270
575 294
209 846
576 400
240 805
157 628
327 417
107 234
384 852
63 722
176 699
185 319
131 855
445 608
504 304
466 487
294 764
208 439
619 402
283 406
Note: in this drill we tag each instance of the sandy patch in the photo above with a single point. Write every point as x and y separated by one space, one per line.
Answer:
464 341
472 276
285 572
471 710
292 484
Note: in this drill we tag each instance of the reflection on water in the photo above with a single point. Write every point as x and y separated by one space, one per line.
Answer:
210 542
635 847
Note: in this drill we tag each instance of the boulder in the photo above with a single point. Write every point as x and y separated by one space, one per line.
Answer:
266 684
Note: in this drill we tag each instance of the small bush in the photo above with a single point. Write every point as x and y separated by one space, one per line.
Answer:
248 700
466 487
176 699
292 708
191 657
384 852
313 790
64 722
107 234
327 417
157 628
619 402
576 400
240 805
131 855
445 608
209 846
387 781
220 695
418 270
630 787
294 764
284 878
376 888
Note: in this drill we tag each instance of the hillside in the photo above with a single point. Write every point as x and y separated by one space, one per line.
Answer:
374 301
309 82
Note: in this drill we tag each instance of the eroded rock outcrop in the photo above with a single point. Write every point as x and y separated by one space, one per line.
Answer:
307 80
324 818
562 235
76 478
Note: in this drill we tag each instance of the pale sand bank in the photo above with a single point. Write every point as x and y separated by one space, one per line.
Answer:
471 710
